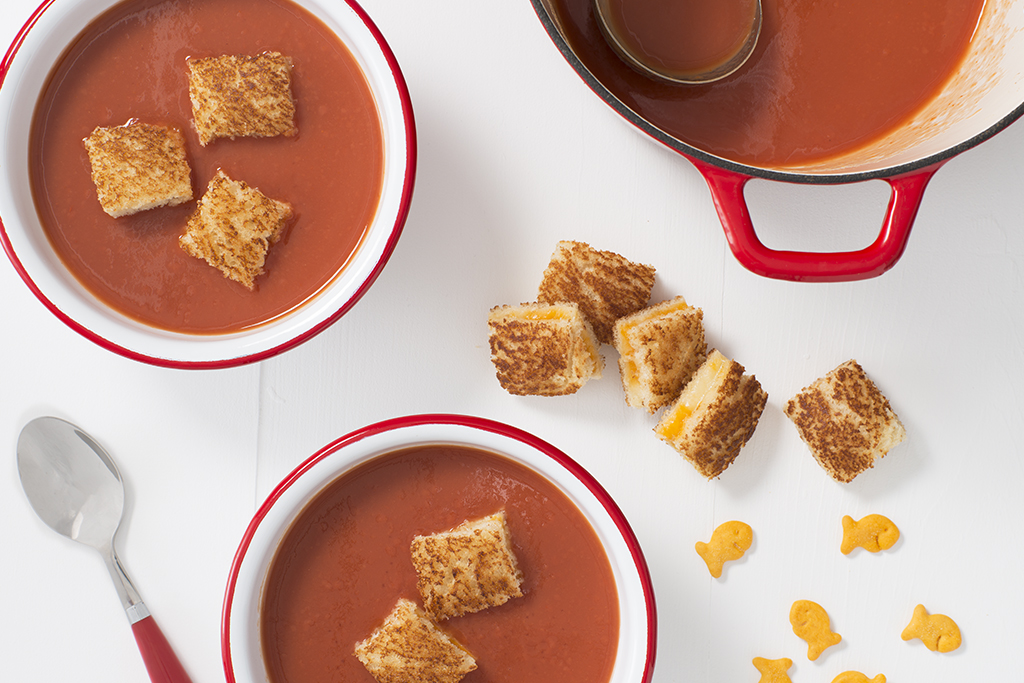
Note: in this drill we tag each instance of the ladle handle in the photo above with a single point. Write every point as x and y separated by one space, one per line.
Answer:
161 662
727 192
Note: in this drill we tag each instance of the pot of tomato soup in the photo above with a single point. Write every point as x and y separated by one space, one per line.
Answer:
834 93
328 556
346 169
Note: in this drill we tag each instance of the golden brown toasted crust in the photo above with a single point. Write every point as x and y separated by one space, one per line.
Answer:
660 348
233 227
712 436
846 421
543 349
467 569
138 166
242 96
606 285
409 648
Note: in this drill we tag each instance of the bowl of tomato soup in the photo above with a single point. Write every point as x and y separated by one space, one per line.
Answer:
833 93
126 283
327 556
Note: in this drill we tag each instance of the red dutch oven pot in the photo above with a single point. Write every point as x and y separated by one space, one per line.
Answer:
984 96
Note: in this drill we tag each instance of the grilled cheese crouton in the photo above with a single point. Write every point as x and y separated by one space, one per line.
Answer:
467 569
660 348
241 96
846 421
137 167
233 228
409 647
543 349
714 416
605 285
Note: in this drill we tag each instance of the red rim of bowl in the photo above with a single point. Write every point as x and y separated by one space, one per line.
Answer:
396 231
479 423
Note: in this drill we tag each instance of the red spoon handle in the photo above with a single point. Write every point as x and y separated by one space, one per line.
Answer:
161 662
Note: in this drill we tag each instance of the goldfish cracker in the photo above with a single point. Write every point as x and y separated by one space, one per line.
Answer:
811 623
874 533
857 677
938 632
773 670
728 542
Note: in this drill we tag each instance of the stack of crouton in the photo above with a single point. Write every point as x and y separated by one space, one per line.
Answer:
587 298
141 166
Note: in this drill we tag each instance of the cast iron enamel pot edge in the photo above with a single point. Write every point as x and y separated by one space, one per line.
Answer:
726 180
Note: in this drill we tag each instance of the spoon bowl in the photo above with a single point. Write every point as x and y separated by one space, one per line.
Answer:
682 42
76 489
81 498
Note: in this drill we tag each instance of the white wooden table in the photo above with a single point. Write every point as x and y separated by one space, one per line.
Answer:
516 153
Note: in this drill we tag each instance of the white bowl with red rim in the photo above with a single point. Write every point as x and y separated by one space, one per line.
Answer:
24 72
241 647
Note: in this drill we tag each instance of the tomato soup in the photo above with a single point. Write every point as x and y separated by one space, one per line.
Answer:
346 561
825 79
131 64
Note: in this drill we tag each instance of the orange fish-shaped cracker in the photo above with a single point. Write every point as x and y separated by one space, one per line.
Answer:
938 632
857 677
773 670
728 542
873 533
811 623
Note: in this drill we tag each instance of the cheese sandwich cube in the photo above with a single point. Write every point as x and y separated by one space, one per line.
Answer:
409 647
543 349
605 285
233 228
660 349
845 421
467 569
242 96
714 416
138 166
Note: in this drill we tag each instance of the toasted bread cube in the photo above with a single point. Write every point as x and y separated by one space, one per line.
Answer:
543 349
409 647
660 348
242 96
846 421
605 285
138 166
467 569
715 415
233 228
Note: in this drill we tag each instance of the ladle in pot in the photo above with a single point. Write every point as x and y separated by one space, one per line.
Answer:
681 41
75 488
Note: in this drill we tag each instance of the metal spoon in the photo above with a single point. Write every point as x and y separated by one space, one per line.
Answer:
650 65
75 488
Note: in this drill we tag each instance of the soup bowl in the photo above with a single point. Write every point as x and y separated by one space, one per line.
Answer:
24 72
984 95
245 596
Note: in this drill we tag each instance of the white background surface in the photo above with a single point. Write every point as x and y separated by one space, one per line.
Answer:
516 153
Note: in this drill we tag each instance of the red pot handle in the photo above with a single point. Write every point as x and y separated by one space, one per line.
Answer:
162 664
727 193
